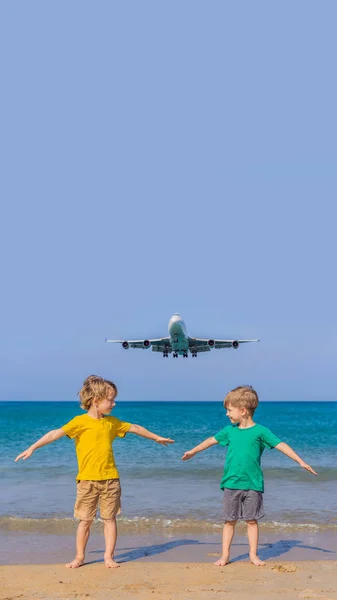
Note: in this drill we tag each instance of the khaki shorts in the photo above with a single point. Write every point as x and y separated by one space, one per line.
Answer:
90 494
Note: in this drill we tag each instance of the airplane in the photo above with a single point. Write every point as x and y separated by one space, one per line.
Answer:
179 342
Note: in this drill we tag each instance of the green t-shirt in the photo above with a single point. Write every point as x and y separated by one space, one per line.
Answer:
245 446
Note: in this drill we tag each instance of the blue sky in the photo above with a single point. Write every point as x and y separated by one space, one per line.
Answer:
162 157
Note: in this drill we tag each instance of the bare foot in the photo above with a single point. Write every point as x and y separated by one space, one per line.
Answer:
110 563
75 564
255 560
222 562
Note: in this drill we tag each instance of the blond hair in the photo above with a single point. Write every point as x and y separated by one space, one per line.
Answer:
95 387
243 396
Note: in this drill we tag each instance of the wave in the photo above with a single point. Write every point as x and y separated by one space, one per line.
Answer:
134 525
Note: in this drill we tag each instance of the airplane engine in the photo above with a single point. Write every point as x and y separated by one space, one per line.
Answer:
211 343
146 343
235 344
125 345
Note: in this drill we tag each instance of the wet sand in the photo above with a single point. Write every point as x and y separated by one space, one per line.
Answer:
26 547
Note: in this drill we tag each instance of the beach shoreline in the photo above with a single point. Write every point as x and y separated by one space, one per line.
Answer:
25 547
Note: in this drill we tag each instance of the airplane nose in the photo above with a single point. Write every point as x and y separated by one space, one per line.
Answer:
176 318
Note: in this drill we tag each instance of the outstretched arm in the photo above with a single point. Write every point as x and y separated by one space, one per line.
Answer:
288 451
145 433
203 446
51 436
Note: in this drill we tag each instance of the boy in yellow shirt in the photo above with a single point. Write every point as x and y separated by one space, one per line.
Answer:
97 478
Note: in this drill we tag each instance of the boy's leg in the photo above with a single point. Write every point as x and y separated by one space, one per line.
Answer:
227 536
110 504
110 536
82 537
253 539
252 511
231 513
85 510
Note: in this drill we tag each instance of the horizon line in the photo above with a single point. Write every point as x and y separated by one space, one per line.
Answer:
173 401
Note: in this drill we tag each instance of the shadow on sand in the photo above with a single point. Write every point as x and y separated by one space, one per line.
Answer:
130 554
266 551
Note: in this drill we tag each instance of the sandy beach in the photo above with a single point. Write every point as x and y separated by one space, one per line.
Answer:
171 581
168 567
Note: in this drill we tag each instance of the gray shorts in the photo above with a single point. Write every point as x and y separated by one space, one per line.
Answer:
242 504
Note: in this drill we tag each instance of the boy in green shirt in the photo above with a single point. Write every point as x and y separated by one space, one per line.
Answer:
242 480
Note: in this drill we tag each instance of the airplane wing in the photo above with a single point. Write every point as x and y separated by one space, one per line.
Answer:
162 345
158 345
203 345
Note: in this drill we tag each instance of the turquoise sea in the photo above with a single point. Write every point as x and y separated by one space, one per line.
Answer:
159 490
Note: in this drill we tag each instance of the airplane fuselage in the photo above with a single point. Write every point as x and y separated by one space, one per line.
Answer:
178 335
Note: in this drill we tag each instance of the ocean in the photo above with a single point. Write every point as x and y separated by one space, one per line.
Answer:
160 492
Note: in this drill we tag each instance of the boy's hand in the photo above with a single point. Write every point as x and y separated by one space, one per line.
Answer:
307 467
26 454
189 454
163 441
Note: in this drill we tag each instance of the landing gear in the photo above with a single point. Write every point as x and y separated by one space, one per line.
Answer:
175 355
185 355
165 354
194 354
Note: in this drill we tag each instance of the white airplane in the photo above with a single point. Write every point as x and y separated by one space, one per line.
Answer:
179 342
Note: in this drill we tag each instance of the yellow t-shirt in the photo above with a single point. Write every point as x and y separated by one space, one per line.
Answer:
93 441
